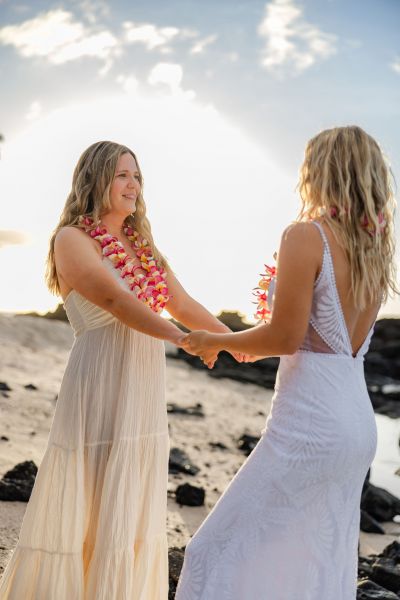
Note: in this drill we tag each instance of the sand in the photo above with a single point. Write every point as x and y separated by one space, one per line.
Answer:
35 351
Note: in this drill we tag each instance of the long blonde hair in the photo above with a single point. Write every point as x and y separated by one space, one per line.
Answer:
90 195
345 178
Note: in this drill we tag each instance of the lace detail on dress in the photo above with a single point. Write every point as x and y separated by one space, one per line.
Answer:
327 330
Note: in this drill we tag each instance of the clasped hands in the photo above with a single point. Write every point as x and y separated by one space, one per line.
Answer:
199 343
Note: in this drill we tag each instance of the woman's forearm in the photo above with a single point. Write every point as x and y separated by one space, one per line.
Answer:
262 340
195 316
133 313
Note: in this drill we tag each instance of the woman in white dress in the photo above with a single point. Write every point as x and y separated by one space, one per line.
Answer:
95 525
287 526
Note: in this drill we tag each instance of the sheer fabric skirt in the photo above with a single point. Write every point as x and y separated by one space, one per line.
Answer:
95 526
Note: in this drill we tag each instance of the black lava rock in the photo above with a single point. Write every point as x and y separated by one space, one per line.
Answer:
368 590
365 567
386 572
30 386
369 524
262 372
217 445
190 495
246 443
4 438
193 411
179 462
382 572
4 387
17 483
379 503
175 562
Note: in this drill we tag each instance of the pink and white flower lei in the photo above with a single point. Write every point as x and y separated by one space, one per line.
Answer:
264 293
150 287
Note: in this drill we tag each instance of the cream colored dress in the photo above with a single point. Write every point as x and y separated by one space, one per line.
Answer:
95 525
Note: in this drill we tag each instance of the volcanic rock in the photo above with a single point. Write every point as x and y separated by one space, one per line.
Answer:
17 483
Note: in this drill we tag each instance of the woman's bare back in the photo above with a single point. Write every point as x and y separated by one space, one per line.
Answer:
358 322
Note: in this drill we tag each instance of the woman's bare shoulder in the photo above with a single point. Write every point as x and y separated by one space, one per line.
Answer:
70 232
303 237
72 235
73 238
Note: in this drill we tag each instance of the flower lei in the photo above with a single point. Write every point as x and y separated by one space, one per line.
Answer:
150 287
365 224
263 293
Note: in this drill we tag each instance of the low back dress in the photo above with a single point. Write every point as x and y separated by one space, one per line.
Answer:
95 525
287 526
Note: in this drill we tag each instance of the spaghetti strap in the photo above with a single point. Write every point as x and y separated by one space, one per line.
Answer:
323 234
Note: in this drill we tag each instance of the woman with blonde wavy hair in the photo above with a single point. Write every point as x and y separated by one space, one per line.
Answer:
287 526
95 525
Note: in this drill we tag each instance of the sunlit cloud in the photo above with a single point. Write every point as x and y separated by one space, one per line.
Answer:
10 237
34 111
396 65
128 83
149 35
292 45
58 37
169 75
153 37
199 46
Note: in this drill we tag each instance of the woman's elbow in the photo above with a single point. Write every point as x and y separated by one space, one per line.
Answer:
290 343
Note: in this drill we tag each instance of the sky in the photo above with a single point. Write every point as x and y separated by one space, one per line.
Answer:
217 99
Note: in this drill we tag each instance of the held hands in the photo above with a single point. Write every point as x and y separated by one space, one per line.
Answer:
198 343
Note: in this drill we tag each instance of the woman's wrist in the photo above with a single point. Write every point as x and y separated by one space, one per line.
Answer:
216 341
175 336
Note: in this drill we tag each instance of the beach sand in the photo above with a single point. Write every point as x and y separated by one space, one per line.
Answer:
35 351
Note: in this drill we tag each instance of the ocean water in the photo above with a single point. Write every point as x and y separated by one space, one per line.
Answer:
387 458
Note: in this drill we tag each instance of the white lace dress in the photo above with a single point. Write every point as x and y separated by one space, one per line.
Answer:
287 526
95 525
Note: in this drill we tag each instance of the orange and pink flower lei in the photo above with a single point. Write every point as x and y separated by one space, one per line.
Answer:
147 280
264 292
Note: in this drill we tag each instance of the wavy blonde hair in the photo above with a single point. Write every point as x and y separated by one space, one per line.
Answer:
344 169
90 195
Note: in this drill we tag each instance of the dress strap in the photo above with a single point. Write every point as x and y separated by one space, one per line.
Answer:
322 232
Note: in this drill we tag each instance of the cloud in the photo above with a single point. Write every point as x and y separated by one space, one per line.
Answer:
158 38
34 111
92 9
199 46
170 75
9 237
128 83
396 65
59 38
150 35
292 45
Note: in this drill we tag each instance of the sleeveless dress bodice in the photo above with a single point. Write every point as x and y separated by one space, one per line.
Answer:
82 314
327 330
287 526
